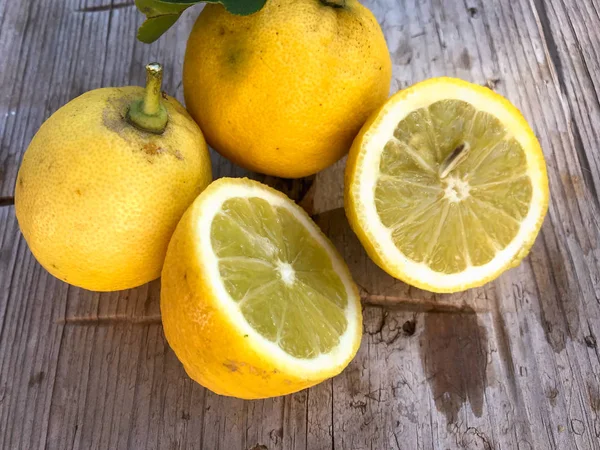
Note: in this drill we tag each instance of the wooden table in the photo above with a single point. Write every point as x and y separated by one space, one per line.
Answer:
513 365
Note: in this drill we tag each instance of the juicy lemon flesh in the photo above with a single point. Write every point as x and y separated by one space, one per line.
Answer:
279 276
453 186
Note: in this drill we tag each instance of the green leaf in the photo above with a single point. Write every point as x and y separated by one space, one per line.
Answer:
162 14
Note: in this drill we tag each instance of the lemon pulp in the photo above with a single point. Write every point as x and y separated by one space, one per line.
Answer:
452 187
280 277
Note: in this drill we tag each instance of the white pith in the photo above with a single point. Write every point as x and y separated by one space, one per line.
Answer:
456 189
286 272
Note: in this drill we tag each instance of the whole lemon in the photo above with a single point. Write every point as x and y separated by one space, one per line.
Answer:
285 90
98 196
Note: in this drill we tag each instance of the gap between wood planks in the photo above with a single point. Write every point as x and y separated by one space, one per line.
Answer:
103 8
7 201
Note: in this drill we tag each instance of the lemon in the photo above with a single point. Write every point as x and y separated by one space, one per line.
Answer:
285 90
446 185
97 198
255 300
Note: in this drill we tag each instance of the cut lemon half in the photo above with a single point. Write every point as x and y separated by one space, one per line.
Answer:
255 300
446 185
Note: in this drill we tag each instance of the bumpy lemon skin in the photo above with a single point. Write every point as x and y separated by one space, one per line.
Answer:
285 90
212 350
97 199
352 206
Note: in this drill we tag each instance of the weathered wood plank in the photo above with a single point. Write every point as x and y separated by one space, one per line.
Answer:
511 365
502 45
395 365
32 302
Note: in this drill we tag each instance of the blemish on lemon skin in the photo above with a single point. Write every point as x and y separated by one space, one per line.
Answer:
152 149
232 366
235 56
77 191
112 119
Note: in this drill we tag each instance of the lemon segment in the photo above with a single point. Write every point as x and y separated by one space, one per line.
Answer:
267 307
446 185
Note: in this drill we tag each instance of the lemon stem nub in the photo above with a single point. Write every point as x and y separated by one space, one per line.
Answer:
148 113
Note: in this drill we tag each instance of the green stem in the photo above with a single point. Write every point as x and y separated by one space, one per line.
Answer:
148 113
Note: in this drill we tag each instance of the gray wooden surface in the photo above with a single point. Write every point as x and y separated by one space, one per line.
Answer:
513 365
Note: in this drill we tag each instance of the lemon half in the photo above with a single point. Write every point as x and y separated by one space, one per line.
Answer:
255 300
446 185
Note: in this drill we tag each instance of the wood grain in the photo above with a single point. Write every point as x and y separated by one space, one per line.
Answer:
513 365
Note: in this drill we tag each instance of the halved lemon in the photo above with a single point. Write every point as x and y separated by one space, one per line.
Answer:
446 185
255 301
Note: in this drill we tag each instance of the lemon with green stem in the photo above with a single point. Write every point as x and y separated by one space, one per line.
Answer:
104 182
